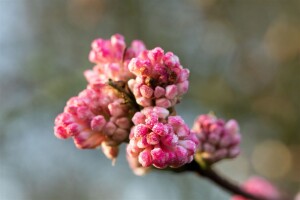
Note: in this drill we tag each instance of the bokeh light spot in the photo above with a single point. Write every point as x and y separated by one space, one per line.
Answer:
272 159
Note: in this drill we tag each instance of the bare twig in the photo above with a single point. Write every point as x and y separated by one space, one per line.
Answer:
212 175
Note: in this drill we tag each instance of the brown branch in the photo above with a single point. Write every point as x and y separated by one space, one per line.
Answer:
121 87
229 186
219 180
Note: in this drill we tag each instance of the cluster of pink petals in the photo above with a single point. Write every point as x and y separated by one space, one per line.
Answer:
97 116
219 140
160 79
101 116
111 58
160 140
260 187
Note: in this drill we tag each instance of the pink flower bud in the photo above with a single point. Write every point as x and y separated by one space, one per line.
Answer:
83 112
163 102
182 87
144 101
142 143
236 139
232 127
159 158
117 41
132 149
140 130
153 138
74 129
123 123
170 140
182 156
95 116
234 151
208 148
220 154
156 54
175 121
131 83
213 138
145 158
167 138
184 75
183 131
137 46
159 92
160 129
119 135
116 109
171 91
98 123
60 132
138 118
151 120
188 145
260 187
170 59
225 141
161 112
110 128
146 91
218 140
162 73
88 139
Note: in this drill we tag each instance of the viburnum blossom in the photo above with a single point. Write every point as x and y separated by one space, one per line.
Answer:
130 98
97 116
111 58
160 79
160 140
260 187
219 139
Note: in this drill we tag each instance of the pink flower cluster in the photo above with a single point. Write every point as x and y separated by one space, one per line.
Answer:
160 79
111 58
218 139
260 187
97 116
130 94
161 140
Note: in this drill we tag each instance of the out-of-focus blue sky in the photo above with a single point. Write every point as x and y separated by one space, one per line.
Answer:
244 58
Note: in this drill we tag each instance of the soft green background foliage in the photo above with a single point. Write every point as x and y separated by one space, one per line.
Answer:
244 61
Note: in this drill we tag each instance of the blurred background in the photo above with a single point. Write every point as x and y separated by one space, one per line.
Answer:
244 58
